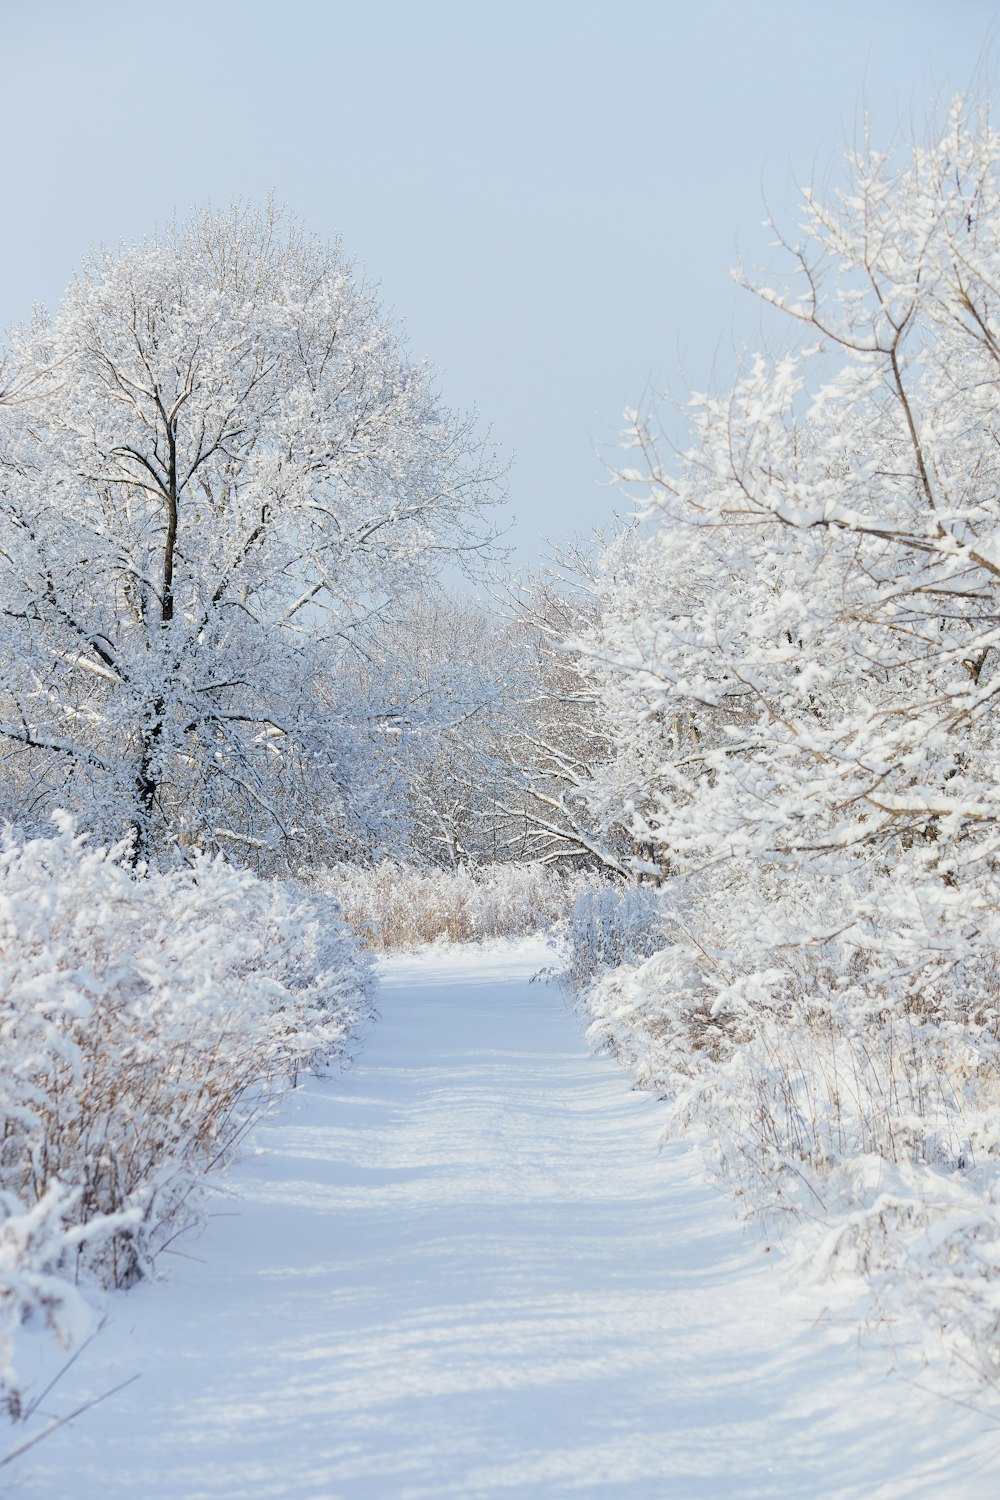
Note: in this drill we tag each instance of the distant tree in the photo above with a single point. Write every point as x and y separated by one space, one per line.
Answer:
465 657
560 736
228 465
496 774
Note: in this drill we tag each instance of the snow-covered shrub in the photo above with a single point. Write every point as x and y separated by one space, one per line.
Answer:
612 925
36 1248
800 671
399 906
143 1022
870 1117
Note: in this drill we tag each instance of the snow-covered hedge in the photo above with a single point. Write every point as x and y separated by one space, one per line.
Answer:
611 925
144 1021
400 906
796 663
871 1120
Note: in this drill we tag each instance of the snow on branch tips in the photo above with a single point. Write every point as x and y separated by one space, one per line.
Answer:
143 1024
799 675
220 466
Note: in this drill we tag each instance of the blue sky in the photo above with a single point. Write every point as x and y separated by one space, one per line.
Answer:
551 194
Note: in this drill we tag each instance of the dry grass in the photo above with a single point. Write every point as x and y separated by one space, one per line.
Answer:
402 906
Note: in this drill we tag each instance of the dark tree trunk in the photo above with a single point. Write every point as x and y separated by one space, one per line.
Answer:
147 785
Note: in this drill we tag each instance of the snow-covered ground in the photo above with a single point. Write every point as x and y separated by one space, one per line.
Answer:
467 1269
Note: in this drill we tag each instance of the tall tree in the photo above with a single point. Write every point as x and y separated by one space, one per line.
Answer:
229 464
814 612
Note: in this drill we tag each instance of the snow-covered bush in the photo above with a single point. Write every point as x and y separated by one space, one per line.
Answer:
801 670
612 925
143 1023
872 1123
36 1246
399 906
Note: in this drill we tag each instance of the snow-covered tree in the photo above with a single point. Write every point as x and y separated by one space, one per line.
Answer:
464 656
806 654
228 464
518 731
803 667
560 738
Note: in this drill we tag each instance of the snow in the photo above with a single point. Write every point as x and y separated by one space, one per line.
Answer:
467 1268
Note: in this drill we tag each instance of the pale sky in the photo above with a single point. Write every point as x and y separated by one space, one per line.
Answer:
551 194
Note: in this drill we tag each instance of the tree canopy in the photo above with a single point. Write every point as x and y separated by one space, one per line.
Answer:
804 653
218 464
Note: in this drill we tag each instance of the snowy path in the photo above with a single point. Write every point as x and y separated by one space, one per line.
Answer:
465 1270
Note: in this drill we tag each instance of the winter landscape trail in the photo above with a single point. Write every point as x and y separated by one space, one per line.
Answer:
466 1268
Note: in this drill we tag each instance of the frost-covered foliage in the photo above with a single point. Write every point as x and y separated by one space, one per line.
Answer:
467 658
400 906
36 1246
801 666
218 466
143 1024
610 926
874 1125
561 737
